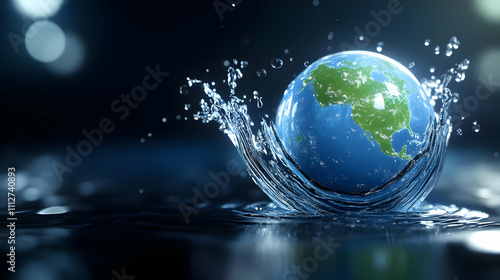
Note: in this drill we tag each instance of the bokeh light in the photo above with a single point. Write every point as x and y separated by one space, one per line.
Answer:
72 57
53 210
32 194
488 9
487 241
86 188
45 41
37 183
38 8
52 265
489 63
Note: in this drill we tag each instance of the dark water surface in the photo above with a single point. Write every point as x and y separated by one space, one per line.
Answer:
131 227
234 242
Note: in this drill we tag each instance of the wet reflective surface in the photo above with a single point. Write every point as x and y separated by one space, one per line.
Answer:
239 235
222 244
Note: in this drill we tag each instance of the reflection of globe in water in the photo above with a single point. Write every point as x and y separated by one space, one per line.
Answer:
351 121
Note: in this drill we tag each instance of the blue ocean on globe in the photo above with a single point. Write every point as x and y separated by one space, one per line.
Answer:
352 121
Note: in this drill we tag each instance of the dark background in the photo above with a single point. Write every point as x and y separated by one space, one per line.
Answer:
187 37
42 112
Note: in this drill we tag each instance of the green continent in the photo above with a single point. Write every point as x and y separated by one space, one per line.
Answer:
380 109
300 138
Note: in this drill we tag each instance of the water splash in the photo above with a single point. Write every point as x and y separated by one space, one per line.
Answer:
261 73
380 46
428 215
330 35
276 63
476 127
273 171
437 50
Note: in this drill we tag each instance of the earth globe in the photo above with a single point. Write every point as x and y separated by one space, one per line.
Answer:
352 121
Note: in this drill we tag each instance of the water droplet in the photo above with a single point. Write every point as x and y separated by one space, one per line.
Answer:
150 134
184 89
260 103
178 117
432 69
243 64
459 77
286 51
276 63
437 50
380 46
141 191
475 126
143 140
330 35
316 3
164 120
261 73
464 65
226 63
291 58
187 106
207 70
448 52
411 65
235 61
455 44
427 42
185 118
361 38
191 82
462 118
306 63
455 97
460 132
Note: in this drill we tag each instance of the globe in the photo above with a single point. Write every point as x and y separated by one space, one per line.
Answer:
352 121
